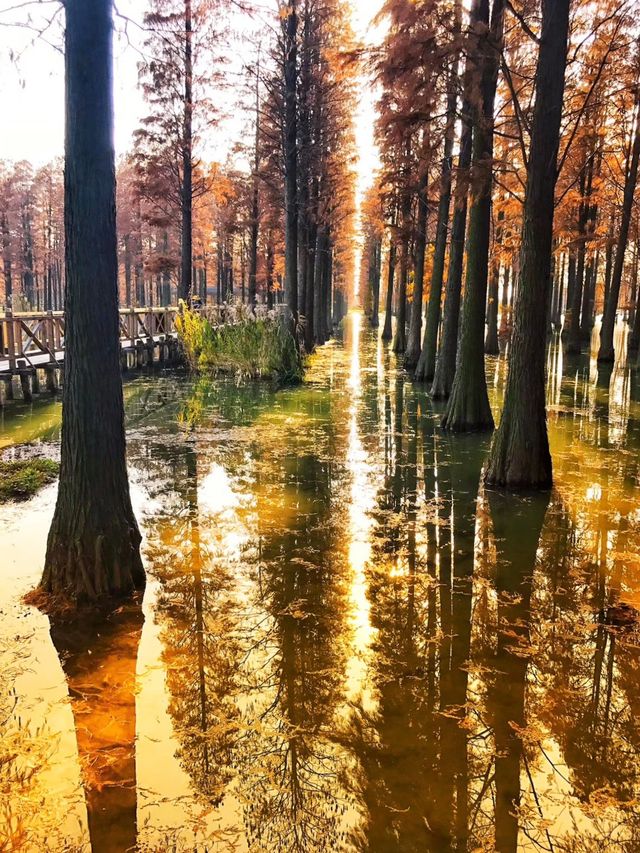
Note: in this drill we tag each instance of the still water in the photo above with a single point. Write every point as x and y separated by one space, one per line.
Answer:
347 643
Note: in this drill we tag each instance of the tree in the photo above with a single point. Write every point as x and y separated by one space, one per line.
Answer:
426 364
520 456
93 549
176 79
290 142
607 352
468 408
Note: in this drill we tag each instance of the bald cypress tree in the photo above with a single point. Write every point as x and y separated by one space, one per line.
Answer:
520 456
468 408
93 550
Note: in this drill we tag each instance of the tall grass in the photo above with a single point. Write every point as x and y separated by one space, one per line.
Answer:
250 346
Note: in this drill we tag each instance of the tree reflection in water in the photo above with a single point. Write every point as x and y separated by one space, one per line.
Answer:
420 666
98 656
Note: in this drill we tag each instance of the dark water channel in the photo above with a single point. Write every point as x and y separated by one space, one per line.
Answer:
347 643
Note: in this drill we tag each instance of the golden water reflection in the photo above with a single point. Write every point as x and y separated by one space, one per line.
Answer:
348 644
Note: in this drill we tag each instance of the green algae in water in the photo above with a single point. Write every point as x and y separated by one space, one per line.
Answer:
22 478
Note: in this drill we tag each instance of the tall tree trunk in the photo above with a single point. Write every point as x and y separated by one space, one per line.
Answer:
491 345
445 369
412 352
520 456
588 297
609 260
127 269
255 203
93 548
400 337
556 317
270 266
426 364
27 261
166 275
186 189
504 305
607 352
313 326
6 260
374 280
290 25
468 407
388 311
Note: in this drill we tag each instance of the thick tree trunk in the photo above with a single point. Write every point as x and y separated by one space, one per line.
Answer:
607 351
93 549
468 407
520 456
290 25
412 352
387 332
426 365
186 189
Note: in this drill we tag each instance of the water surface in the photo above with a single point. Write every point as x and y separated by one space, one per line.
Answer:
347 643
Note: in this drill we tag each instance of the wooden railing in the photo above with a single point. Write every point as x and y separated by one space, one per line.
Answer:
25 336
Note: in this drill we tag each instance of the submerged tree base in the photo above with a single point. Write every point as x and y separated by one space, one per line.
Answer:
520 459
259 346
468 409
94 569
22 478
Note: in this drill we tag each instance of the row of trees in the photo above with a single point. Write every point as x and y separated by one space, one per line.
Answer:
533 221
176 215
189 226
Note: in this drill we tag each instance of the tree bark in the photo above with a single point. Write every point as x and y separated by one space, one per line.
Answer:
412 352
290 25
6 259
400 337
607 351
491 345
520 456
186 189
426 364
93 550
374 281
255 203
468 407
445 369
388 311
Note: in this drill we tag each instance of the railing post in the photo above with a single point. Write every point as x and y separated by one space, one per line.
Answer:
132 326
11 340
49 334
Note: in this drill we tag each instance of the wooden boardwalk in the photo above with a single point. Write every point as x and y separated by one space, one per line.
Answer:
32 345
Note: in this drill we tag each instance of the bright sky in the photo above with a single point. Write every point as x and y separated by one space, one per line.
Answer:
32 95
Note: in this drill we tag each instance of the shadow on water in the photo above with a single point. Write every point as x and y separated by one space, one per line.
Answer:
350 644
